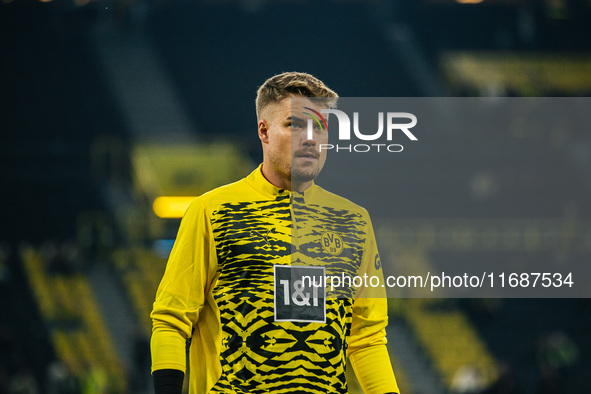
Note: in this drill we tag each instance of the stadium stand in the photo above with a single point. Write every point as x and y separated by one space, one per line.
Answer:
141 271
77 329
53 106
58 116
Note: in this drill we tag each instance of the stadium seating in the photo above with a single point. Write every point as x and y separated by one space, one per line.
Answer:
78 332
141 271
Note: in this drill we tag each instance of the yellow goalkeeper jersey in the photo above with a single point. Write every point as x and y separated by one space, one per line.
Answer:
252 282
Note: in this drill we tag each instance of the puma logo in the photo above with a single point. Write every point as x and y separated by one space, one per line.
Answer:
265 236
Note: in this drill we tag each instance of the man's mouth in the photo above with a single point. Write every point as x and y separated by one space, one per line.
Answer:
308 154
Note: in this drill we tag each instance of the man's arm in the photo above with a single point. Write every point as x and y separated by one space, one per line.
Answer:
367 349
180 298
373 370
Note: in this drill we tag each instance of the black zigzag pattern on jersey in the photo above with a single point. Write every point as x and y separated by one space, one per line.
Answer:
258 354
312 221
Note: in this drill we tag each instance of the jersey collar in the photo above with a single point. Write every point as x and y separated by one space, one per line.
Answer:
261 184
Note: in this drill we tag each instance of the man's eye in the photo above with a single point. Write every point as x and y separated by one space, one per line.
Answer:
296 125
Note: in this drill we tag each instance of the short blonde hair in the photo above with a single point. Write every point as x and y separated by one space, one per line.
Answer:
290 84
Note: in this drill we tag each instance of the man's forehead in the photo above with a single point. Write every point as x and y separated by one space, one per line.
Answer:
301 103
295 106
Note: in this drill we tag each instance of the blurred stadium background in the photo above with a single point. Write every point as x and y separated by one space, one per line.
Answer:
105 106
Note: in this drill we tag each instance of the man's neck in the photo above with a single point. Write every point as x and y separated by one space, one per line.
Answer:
285 183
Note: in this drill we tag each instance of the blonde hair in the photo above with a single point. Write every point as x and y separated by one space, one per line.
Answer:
290 84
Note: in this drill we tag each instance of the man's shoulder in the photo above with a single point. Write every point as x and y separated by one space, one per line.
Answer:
225 194
332 200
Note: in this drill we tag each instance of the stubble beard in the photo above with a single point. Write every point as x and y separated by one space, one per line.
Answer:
302 170
296 174
305 174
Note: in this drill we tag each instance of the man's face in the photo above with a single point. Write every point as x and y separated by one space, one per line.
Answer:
293 151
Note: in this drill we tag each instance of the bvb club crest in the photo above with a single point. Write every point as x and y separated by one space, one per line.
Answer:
332 243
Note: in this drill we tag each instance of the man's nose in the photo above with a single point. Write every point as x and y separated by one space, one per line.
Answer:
309 137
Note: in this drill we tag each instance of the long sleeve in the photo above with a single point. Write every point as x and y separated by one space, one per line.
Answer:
373 370
183 289
367 343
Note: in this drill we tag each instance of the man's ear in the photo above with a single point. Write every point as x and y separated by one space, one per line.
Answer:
264 131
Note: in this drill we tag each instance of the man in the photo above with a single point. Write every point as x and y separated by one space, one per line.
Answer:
235 280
